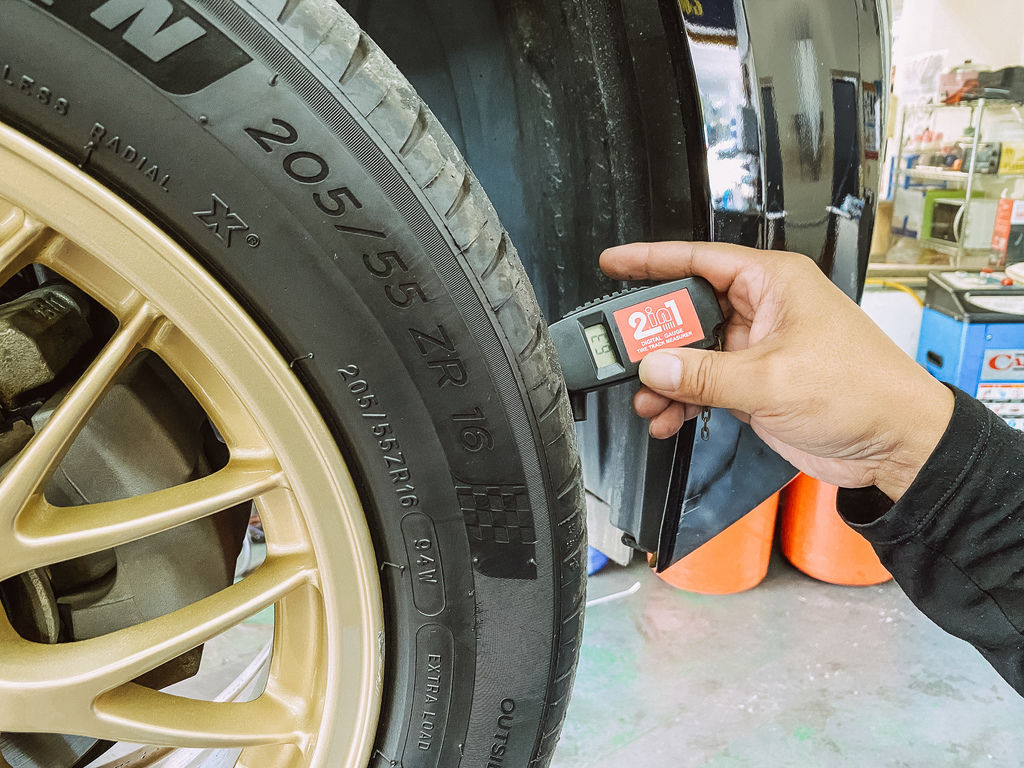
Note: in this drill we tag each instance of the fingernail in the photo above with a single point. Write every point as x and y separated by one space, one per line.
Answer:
661 370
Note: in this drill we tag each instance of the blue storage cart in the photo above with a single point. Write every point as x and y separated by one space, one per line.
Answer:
972 336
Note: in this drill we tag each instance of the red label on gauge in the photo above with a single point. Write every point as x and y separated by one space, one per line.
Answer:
667 321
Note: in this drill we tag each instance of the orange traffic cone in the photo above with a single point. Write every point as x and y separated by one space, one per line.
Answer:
733 561
817 541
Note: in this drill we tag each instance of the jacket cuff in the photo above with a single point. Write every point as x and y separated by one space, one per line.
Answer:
873 514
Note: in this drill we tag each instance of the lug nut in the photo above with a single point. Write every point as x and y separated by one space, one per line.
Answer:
40 333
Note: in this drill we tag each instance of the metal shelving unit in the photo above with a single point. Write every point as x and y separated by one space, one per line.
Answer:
933 173
967 178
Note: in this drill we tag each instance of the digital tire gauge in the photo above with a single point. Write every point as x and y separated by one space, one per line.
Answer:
603 342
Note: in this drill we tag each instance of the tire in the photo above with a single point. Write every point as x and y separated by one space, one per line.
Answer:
285 152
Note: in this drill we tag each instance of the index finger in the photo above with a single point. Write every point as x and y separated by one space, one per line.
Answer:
718 263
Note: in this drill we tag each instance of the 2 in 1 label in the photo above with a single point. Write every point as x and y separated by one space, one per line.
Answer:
669 320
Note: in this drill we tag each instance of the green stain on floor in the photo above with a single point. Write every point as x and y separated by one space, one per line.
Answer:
803 733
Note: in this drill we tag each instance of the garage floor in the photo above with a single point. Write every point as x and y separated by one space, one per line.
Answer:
793 673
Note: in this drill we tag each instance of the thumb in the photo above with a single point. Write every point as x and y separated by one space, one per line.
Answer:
701 377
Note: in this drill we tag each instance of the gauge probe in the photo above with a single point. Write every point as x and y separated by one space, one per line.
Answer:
603 342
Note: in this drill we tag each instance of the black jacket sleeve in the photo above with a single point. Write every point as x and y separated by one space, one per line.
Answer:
955 541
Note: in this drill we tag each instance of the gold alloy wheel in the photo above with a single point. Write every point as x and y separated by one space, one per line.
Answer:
322 697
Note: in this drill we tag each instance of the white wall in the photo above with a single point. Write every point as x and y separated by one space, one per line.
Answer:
989 32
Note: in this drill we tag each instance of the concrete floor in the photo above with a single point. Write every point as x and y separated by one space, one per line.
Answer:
792 673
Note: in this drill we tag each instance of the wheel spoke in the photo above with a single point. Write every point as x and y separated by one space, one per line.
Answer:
34 465
17 232
46 534
151 755
77 686
137 714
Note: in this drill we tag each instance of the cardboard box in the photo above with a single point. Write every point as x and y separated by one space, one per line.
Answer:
1012 158
882 234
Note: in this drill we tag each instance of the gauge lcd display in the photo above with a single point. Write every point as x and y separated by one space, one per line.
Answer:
601 345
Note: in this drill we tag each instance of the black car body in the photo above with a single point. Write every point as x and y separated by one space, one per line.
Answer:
599 122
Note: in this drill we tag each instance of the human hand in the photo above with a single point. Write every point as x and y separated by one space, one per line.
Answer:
810 372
